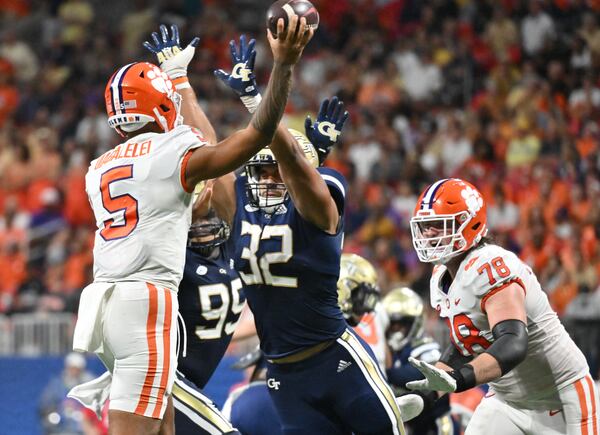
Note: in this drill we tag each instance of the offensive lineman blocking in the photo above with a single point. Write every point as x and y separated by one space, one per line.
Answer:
502 328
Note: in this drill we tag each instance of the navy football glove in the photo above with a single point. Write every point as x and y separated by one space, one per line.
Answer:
242 79
325 131
171 58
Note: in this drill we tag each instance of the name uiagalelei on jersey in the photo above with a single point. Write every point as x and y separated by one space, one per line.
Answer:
124 151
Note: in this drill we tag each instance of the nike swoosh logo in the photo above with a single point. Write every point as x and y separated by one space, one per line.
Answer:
554 412
456 301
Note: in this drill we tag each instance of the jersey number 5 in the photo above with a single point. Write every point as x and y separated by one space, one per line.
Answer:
125 204
261 273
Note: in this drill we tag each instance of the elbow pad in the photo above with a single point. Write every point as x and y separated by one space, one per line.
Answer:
510 344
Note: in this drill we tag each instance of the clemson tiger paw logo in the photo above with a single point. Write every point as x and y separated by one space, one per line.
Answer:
160 81
473 199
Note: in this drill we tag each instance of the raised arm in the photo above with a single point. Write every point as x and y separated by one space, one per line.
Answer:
174 62
214 161
306 187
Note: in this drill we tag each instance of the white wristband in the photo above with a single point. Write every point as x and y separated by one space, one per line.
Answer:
184 85
252 103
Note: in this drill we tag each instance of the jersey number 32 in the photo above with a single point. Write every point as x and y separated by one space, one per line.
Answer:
260 267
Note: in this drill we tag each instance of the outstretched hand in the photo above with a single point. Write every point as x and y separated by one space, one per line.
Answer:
435 379
171 58
325 131
241 79
287 47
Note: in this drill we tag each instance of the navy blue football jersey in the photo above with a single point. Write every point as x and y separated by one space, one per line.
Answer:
290 269
211 300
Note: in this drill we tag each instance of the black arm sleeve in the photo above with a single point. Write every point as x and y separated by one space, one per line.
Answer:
510 344
453 358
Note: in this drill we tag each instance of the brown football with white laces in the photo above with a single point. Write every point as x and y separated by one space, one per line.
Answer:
286 8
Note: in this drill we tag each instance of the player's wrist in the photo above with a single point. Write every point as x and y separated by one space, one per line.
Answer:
176 73
251 102
181 82
464 377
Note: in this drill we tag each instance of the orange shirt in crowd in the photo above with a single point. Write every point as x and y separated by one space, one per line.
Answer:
589 243
562 296
75 277
77 208
586 146
13 272
34 194
9 99
538 257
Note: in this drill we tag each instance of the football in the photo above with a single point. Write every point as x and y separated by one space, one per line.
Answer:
285 8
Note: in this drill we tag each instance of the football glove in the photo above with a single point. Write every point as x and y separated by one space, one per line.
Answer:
242 79
171 58
325 131
411 405
435 379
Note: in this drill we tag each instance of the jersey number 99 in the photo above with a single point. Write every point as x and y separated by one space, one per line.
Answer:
220 312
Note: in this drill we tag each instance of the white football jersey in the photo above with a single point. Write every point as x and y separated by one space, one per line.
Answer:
553 360
372 329
141 208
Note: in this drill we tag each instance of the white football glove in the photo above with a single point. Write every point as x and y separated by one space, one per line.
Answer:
171 58
411 405
435 379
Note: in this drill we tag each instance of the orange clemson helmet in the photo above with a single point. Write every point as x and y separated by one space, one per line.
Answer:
449 218
140 93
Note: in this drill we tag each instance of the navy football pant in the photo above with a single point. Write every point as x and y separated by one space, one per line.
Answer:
339 391
195 414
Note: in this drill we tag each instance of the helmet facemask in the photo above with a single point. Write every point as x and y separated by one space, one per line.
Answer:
264 194
356 299
449 240
364 297
207 235
403 330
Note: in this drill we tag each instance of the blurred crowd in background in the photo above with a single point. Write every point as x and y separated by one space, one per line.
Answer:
502 93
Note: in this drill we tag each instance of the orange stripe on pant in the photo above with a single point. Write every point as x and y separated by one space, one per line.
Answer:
592 389
151 337
166 352
583 405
